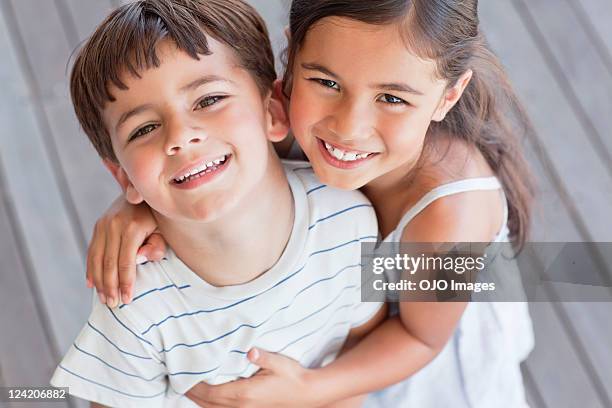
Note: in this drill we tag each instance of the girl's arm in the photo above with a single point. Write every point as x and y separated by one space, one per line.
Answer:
395 350
124 232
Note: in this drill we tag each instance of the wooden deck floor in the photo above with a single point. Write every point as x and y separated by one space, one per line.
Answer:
52 185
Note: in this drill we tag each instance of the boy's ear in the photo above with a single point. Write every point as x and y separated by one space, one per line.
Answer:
452 96
131 195
277 92
278 120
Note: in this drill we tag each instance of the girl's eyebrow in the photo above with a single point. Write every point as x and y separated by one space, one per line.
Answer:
318 67
397 87
392 86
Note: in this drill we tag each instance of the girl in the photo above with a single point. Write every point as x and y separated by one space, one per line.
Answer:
403 99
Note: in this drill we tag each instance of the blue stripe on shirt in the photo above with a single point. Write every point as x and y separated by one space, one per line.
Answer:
115 368
156 290
127 328
117 347
111 388
265 320
302 319
339 213
312 190
259 294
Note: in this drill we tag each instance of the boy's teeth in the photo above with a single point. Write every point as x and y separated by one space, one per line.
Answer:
207 167
343 155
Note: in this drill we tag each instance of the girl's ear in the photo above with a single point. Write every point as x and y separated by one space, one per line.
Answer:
278 120
452 96
131 195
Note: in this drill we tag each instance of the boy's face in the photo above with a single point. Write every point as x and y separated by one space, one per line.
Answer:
191 136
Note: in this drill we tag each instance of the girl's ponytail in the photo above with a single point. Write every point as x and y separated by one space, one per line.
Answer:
490 116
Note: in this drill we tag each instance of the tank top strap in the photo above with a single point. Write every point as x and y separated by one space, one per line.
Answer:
445 190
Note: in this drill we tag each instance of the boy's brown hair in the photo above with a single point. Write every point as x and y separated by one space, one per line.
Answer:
125 41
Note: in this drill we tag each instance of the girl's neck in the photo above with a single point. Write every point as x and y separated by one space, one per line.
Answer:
389 194
444 160
231 250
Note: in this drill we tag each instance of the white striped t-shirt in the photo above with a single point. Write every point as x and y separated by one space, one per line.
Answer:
179 330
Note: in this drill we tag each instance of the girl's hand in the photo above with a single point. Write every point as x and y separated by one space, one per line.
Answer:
281 382
123 236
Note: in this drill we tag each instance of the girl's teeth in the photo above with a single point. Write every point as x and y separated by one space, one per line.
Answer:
350 156
343 155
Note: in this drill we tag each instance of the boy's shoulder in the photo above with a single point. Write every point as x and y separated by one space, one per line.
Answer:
305 174
330 211
156 290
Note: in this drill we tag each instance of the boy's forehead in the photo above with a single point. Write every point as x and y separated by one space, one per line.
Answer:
220 58
177 73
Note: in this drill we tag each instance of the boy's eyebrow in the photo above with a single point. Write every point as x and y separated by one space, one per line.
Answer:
192 85
126 115
204 80
318 67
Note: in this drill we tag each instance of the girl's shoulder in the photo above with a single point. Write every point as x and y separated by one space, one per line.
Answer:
455 214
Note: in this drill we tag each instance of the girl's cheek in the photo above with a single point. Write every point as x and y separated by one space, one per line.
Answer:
300 114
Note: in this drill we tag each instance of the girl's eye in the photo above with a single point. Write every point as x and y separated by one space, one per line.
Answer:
209 101
328 83
143 131
392 100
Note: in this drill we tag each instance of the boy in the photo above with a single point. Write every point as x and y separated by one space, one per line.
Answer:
175 96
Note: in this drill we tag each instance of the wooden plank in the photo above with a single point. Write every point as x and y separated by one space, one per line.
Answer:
276 15
532 394
86 184
560 219
587 182
595 16
577 64
52 247
25 352
86 15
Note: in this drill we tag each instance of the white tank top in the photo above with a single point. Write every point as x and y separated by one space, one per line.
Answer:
445 190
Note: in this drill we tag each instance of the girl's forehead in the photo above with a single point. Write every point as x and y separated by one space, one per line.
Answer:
357 48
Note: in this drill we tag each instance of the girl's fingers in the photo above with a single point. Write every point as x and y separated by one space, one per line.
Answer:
109 264
95 254
130 242
155 247
221 395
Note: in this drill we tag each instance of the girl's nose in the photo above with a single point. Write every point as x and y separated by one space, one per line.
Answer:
352 122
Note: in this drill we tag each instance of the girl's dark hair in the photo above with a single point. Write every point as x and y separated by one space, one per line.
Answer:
488 115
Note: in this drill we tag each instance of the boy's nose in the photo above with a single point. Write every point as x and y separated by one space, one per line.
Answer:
180 137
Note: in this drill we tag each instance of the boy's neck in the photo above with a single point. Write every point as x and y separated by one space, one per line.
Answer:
245 242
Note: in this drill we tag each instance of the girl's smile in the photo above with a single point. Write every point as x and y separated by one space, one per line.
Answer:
343 157
361 101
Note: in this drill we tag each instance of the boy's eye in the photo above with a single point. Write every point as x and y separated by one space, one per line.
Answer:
209 101
328 83
143 131
392 100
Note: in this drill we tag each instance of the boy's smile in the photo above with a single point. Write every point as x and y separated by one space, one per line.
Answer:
191 136
195 175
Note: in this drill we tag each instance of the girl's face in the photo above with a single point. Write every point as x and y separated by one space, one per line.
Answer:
361 102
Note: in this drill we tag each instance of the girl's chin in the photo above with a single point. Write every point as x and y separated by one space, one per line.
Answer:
330 177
